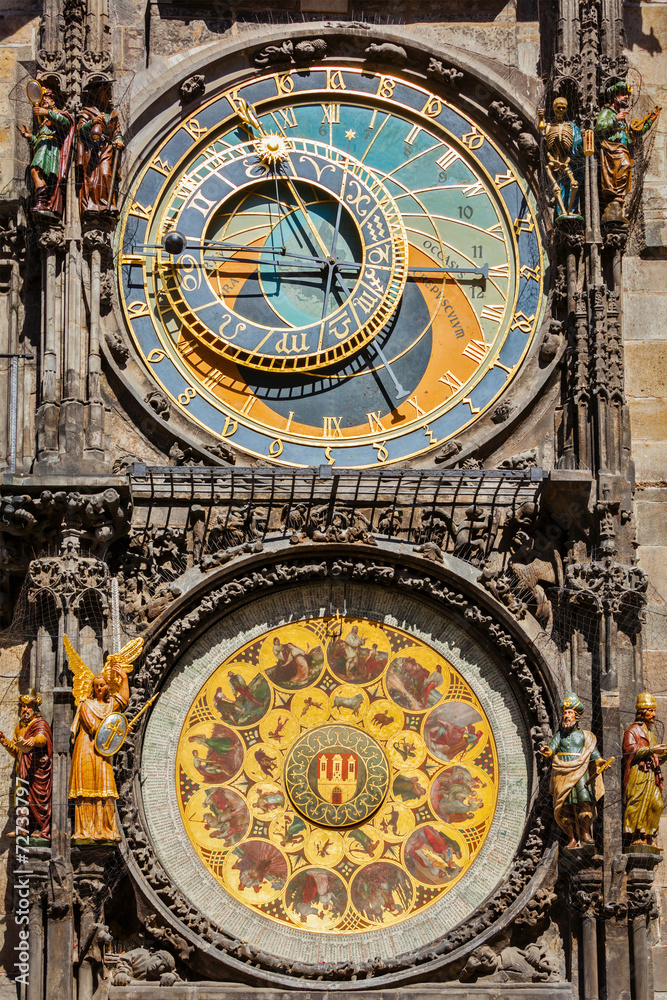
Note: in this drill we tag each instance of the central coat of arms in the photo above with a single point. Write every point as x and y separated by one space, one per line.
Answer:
336 775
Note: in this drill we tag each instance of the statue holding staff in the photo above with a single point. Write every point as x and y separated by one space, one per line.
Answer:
576 784
642 776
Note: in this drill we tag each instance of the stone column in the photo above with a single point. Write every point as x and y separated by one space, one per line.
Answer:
35 987
584 875
91 892
96 245
641 908
52 242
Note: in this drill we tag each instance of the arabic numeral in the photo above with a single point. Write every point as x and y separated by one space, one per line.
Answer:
465 212
477 251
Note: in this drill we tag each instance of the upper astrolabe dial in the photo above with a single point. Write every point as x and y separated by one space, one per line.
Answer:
360 276
295 259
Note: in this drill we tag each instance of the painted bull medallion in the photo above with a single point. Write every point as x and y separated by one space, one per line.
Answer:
337 775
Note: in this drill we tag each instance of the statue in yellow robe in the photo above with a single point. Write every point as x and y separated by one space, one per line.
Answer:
92 784
642 776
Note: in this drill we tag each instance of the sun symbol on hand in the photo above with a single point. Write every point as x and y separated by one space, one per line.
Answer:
272 148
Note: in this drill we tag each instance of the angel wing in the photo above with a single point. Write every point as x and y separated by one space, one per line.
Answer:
83 675
123 661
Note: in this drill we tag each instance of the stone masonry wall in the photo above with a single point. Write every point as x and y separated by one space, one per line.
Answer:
645 331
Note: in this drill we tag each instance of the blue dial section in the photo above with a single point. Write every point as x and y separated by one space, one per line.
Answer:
363 274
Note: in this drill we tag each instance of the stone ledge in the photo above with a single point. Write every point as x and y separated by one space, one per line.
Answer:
232 991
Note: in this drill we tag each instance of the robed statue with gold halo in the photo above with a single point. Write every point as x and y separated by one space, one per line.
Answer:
97 696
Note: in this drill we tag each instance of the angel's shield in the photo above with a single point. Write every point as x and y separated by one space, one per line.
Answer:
111 734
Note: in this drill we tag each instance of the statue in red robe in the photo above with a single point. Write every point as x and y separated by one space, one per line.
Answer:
99 145
33 749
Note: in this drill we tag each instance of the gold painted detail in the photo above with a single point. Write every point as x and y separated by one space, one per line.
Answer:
337 775
272 148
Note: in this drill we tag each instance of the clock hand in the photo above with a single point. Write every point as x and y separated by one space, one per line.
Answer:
301 205
400 391
250 249
314 266
332 267
248 116
483 269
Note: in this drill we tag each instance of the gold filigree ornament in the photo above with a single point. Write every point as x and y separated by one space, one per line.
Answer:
272 148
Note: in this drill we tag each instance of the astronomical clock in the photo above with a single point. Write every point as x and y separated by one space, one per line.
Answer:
331 267
336 787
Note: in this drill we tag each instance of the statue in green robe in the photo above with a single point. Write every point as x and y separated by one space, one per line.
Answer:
575 782
51 146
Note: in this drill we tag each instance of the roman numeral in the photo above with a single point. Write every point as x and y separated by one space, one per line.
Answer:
374 421
412 135
288 117
476 350
447 159
331 427
494 313
419 411
451 382
331 114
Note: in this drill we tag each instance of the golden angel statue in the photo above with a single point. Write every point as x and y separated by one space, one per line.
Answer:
92 784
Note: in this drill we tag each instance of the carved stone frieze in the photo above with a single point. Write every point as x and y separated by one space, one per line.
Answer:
437 70
289 52
52 239
324 524
71 521
604 585
536 962
159 402
386 52
527 565
118 348
537 909
503 411
66 577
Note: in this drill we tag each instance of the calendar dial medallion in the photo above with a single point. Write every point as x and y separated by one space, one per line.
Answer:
362 276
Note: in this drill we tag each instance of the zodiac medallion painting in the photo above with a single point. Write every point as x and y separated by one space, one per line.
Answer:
336 775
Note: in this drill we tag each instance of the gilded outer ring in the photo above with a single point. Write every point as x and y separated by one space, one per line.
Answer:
301 760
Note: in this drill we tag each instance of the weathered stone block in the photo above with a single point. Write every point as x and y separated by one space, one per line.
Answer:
646 369
648 419
645 312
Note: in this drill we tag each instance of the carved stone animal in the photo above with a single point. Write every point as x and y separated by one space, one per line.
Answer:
533 566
